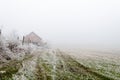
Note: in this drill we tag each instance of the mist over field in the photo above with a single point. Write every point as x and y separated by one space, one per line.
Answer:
65 22
59 40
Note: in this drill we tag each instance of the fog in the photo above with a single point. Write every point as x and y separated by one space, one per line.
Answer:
64 22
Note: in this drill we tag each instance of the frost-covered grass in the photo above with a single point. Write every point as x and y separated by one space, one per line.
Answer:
51 64
11 67
105 63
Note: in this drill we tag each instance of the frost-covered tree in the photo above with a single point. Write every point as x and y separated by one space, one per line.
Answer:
3 48
13 40
2 42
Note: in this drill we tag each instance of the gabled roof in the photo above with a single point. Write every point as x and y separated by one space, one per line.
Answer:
32 33
32 37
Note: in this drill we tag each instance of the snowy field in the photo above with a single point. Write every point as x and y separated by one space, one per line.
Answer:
104 62
55 64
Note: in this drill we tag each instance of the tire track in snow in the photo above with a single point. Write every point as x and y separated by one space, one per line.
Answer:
85 69
27 71
54 65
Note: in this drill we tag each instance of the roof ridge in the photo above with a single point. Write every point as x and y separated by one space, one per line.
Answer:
33 34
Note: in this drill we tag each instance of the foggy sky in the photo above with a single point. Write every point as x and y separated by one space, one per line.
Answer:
68 22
